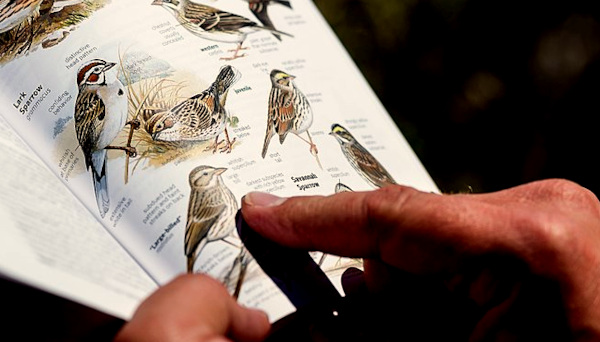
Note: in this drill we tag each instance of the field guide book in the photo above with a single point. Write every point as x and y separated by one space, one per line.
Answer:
130 130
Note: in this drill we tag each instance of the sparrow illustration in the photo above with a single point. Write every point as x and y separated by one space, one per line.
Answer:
361 160
341 187
199 118
289 111
100 114
260 10
14 12
211 211
212 23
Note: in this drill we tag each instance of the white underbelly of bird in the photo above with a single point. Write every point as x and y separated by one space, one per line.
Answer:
116 113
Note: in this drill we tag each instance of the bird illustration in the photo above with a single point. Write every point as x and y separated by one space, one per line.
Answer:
15 12
199 118
341 187
211 211
361 160
100 114
260 10
289 111
213 24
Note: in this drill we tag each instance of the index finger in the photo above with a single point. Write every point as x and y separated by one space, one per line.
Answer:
403 227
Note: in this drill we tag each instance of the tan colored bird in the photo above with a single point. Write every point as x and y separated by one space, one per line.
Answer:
289 111
213 24
199 118
13 13
361 160
211 211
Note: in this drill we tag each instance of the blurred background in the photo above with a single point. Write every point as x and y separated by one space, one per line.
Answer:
489 93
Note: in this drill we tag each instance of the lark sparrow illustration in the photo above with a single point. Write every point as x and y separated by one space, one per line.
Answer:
199 118
260 10
211 211
100 114
361 160
213 24
289 111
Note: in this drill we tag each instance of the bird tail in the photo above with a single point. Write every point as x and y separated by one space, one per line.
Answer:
274 31
268 137
101 189
284 3
191 259
228 75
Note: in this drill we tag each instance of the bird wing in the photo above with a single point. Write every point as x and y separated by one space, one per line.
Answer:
370 166
196 112
3 5
210 18
201 218
89 121
284 113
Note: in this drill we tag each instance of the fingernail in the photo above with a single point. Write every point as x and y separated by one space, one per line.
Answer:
263 199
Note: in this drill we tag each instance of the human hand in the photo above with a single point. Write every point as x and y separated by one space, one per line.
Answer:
528 258
193 308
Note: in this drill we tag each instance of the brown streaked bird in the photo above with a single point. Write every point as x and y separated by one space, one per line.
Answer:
211 211
289 111
201 117
260 10
100 114
361 160
214 24
15 12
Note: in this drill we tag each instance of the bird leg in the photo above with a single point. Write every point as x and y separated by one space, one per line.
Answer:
313 148
240 262
235 53
213 146
228 144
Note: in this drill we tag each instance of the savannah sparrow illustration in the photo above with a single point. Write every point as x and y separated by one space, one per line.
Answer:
100 114
199 118
361 160
213 24
211 211
289 111
260 10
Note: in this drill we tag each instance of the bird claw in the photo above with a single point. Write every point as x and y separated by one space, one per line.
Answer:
135 124
228 146
131 151
236 56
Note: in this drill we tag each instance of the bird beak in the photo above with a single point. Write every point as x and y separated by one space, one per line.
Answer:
331 133
109 66
220 170
157 2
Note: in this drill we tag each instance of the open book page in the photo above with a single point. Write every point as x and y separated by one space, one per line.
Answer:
160 115
51 242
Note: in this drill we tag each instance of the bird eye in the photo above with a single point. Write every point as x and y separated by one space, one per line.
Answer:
205 173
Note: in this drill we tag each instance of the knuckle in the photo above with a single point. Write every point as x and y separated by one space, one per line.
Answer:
567 191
